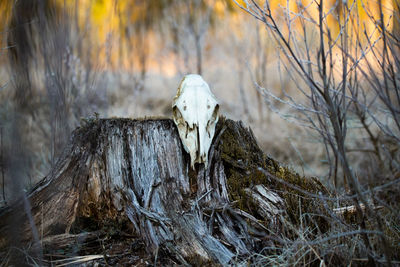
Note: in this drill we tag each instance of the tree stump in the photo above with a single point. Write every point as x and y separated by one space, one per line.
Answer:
135 174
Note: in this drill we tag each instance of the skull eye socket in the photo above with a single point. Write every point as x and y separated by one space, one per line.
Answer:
215 113
177 115
212 120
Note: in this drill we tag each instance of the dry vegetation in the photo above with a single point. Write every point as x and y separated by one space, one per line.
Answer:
317 81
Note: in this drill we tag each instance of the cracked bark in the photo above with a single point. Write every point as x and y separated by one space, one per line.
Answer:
137 170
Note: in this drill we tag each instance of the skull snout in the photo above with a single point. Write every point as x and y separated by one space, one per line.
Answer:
202 142
198 131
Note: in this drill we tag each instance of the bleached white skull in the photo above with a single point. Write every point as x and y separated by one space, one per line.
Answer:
195 113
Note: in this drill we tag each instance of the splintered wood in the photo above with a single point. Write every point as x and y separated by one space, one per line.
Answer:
137 170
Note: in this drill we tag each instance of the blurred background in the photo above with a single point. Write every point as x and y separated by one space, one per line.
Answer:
63 63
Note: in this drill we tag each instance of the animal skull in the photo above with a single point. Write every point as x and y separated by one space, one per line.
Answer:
195 113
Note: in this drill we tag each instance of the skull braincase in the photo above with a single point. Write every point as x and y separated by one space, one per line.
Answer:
195 113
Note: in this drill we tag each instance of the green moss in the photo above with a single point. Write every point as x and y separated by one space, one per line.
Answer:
243 159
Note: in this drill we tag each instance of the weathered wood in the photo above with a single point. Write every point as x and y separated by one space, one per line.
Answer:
136 171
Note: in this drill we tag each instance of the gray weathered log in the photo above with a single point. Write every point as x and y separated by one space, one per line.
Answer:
118 169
